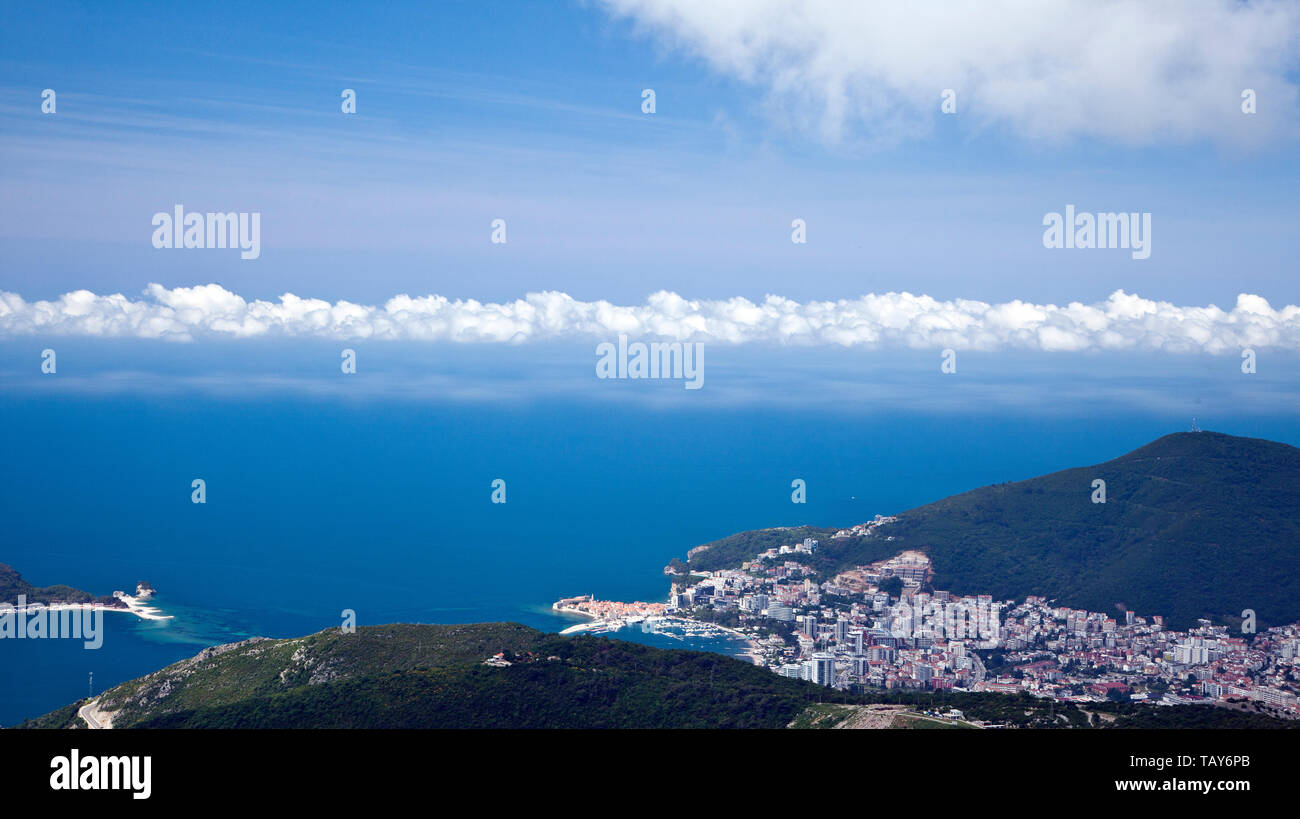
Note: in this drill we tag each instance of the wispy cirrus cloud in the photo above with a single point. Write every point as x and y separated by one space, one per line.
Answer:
1124 321
1150 72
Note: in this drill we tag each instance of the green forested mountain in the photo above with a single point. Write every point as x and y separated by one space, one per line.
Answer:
426 676
732 550
1196 524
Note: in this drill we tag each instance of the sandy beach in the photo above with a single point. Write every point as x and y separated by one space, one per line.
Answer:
133 605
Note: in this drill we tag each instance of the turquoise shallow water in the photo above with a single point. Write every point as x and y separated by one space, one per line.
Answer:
318 506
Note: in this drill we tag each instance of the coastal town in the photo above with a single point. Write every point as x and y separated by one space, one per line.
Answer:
885 626
606 616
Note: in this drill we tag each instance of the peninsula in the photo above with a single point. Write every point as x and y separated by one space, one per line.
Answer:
20 596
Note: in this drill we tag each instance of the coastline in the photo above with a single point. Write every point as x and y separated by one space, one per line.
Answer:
131 605
580 612
136 605
754 654
598 624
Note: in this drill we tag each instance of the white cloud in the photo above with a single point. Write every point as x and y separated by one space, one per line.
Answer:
886 321
1139 72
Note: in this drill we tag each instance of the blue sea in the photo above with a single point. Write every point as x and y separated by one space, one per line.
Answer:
316 504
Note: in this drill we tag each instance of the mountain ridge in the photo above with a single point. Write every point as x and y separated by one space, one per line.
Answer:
1194 525
505 675
446 676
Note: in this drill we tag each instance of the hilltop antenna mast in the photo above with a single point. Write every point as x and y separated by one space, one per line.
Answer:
90 686
1195 426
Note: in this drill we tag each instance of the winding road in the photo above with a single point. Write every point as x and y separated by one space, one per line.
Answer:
85 713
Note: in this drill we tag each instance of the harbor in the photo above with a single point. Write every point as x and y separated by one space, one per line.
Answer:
607 617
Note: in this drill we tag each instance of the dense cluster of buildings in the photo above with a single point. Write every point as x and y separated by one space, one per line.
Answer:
608 610
884 626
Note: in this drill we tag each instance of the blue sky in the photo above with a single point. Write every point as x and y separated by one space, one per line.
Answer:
531 112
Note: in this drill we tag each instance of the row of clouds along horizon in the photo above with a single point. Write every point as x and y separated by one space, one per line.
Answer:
1124 321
